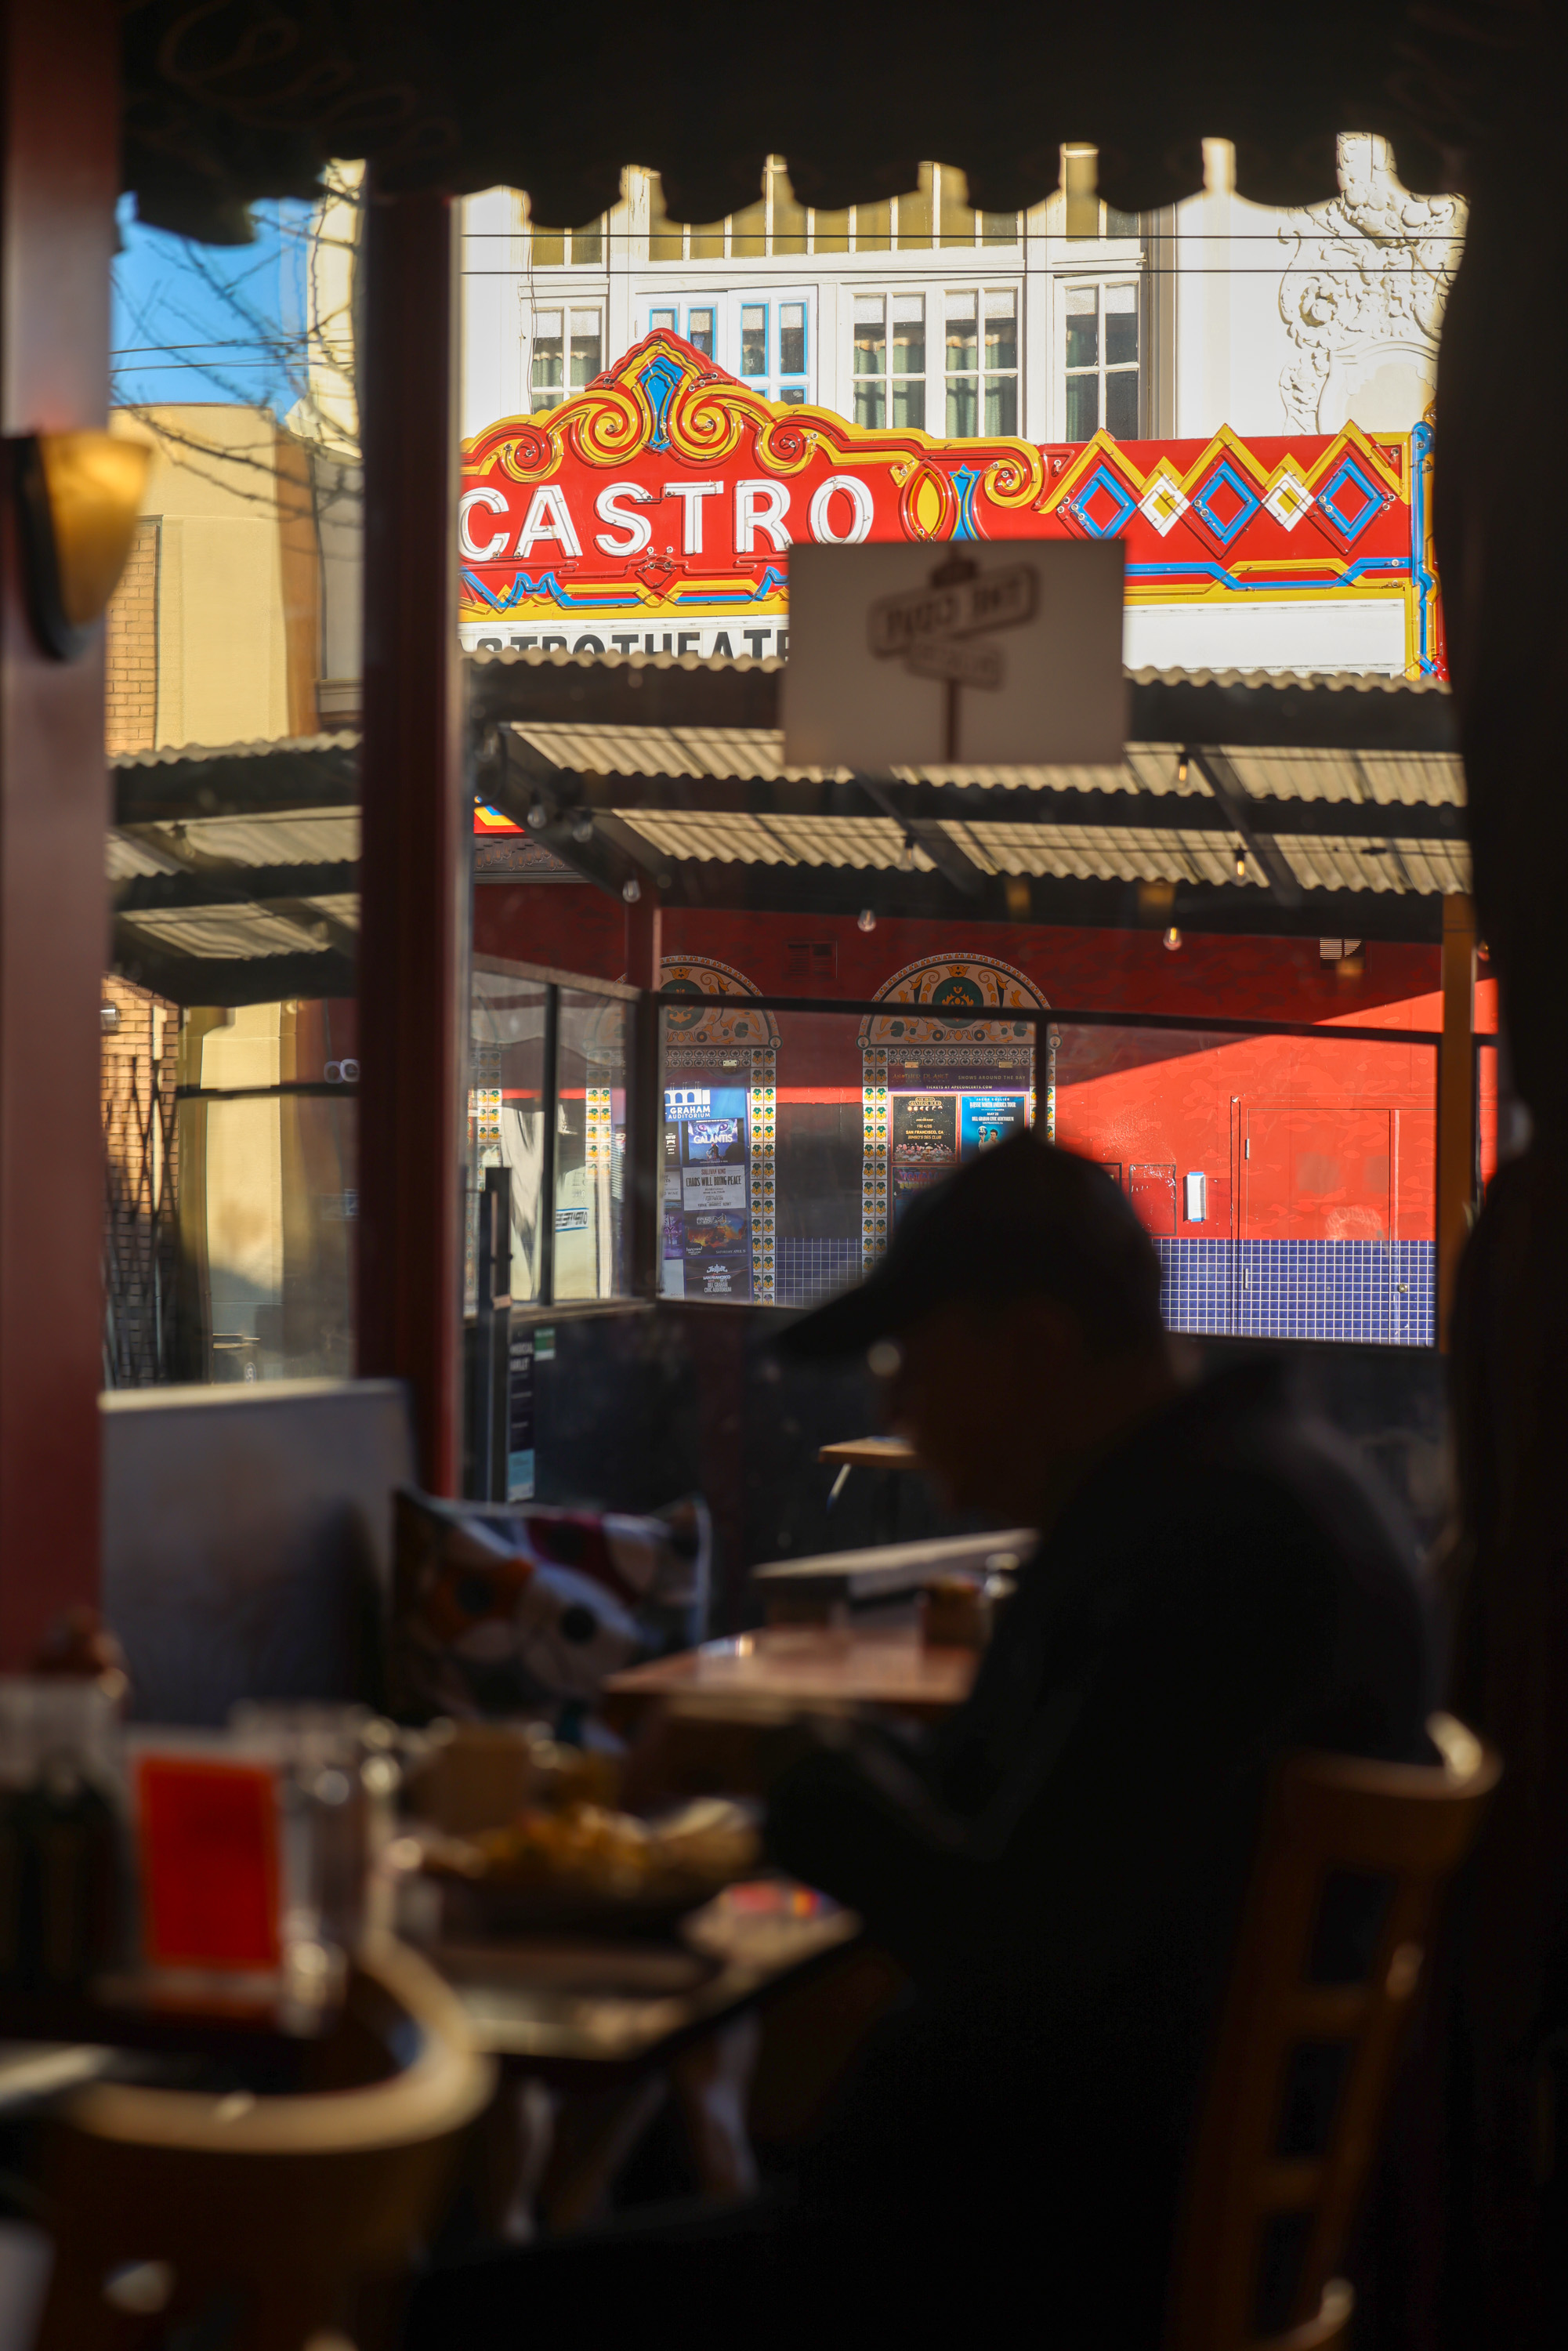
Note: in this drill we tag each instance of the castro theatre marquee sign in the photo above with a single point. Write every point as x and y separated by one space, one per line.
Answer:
655 511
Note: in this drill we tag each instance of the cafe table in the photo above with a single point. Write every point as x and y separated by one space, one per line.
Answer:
890 1456
881 1669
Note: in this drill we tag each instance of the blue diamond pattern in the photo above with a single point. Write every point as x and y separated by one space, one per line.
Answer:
1225 474
1102 478
1349 474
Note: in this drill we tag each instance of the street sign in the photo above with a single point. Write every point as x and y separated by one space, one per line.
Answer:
961 665
977 652
964 601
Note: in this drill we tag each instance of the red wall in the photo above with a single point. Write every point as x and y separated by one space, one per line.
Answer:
1296 1137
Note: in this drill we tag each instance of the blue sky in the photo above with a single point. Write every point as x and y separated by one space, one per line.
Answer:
207 322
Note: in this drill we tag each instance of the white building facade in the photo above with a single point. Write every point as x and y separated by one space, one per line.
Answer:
921 312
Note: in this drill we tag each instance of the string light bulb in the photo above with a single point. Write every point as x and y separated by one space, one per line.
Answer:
865 920
1181 770
1241 865
1173 938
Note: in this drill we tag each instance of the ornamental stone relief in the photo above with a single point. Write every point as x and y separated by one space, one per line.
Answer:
1363 296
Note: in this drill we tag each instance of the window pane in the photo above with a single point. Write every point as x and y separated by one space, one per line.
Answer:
1120 224
747 232
909 404
1082 407
915 215
1001 330
870 403
908 334
962 407
870 335
789 217
792 338
591 1146
1122 405
754 339
792 394
665 241
548 349
668 318
587 347
1001 404
549 248
873 228
957 215
831 232
962 350
1121 325
699 332
998 228
1082 326
588 244
707 242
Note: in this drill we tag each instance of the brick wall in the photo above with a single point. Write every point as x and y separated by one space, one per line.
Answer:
132 651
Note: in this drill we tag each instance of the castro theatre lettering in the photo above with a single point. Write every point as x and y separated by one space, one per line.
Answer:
654 512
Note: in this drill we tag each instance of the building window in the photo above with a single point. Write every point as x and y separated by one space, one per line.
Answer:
699 331
1102 360
981 363
890 369
773 349
579 248
568 352
935 213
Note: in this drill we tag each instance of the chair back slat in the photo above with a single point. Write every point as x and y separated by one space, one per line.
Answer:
1350 1868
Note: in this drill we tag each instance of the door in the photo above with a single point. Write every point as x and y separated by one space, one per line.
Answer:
1316 1175
1152 1189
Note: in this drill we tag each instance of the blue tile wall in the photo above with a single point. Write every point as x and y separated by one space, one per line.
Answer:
805 1270
1384 1290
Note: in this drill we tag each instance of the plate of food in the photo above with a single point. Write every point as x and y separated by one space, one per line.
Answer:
582 1866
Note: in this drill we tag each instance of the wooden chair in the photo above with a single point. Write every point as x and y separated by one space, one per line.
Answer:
1334 1939
268 2211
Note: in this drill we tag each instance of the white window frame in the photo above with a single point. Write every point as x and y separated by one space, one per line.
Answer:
1099 281
569 310
980 375
726 303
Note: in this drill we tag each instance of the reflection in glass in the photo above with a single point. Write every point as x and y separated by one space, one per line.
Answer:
754 339
792 338
590 1147
699 332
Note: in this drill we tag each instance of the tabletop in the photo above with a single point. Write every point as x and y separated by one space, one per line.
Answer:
870 1453
884 1669
576 2006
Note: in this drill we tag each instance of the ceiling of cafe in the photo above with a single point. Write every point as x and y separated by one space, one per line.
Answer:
230 102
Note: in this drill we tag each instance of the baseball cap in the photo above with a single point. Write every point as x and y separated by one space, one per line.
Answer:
1022 1219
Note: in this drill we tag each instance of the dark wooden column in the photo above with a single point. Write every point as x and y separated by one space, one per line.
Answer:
60 153
415 909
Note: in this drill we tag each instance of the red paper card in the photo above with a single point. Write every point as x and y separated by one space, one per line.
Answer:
209 1862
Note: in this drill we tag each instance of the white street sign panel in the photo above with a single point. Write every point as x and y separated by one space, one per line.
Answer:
991 599
966 664
972 651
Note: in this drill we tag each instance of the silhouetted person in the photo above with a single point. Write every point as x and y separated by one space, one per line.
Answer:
1060 1867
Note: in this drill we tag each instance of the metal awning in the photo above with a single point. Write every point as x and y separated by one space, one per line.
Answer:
1262 802
1332 806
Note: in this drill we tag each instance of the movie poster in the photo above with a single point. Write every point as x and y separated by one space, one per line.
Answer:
924 1142
708 1199
985 1119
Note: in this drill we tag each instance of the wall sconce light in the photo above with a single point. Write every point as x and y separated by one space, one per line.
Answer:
79 497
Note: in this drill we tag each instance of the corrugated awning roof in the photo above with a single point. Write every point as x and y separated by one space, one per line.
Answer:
235 869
